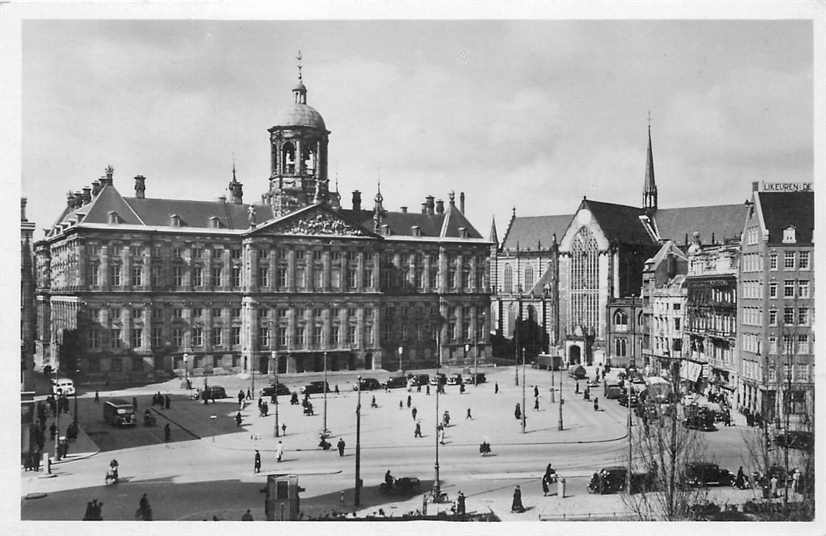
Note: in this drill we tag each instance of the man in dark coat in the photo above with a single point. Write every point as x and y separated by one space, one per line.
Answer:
257 463
167 401
340 446
516 505
167 433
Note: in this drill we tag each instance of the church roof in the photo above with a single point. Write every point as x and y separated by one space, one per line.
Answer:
724 221
528 231
782 209
620 223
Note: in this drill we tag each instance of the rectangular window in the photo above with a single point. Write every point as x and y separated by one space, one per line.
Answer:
282 277
116 250
351 335
216 276
451 279
178 272
773 289
451 331
368 277
196 252
236 312
114 274
677 324
788 260
300 278
773 261
803 289
676 306
318 274
236 276
300 336
282 336
788 316
157 337
316 341
263 276
92 274
334 335
216 313
176 253
177 313
788 288
803 316
788 344
803 260
197 337
772 374
137 314
235 253
115 338
299 255
137 338
217 338
802 344
197 312
335 278
94 339
368 335
352 278
198 276
235 336
177 337
772 344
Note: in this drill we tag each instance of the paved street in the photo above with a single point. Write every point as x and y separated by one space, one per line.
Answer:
207 469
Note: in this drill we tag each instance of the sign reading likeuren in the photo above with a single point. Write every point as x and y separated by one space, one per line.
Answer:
788 187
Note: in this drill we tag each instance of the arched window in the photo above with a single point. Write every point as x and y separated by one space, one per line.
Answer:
288 158
508 286
584 281
309 158
620 318
528 278
619 347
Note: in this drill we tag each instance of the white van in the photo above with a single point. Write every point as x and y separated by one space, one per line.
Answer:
64 386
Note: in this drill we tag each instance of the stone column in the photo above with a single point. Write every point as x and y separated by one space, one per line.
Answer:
249 332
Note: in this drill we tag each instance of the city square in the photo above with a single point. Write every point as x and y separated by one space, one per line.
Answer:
373 279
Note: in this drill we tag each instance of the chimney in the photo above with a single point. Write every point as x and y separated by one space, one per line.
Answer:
96 186
87 195
462 232
429 200
424 208
404 210
672 265
222 198
440 207
70 200
78 199
23 202
462 202
755 186
452 198
140 186
107 179
356 201
214 222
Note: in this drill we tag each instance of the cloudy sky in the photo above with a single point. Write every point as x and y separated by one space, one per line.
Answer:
527 114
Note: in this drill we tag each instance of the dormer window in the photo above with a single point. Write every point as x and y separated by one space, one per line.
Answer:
113 217
790 235
415 230
462 232
174 220
214 222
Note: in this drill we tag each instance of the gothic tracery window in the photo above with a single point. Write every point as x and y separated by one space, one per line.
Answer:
528 278
584 303
508 278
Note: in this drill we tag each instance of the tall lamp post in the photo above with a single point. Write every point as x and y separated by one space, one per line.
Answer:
357 494
275 397
436 485
77 373
561 401
523 390
324 430
252 375
401 353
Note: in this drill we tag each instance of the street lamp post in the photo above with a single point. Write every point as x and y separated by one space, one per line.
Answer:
324 430
401 353
561 401
436 485
186 369
275 366
252 375
357 494
523 390
77 373
552 381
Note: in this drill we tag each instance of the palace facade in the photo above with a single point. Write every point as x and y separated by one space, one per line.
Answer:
136 287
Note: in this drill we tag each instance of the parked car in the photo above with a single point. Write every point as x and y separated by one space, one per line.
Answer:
271 390
63 386
419 379
214 391
367 384
480 378
396 381
796 439
578 372
315 387
438 378
454 379
612 480
700 474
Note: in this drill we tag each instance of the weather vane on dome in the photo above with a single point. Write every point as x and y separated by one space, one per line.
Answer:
298 63
649 120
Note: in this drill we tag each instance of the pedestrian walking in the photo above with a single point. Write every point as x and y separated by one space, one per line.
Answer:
265 408
516 505
418 388
135 404
442 435
413 412
417 432
257 462
460 503
596 404
401 404
247 516
144 510
167 433
249 394
336 389
241 397
536 404
340 446
535 391
279 451
496 388
577 387
373 403
168 401
468 416
517 412
283 429
238 420
409 400
427 389
97 396
546 483
587 394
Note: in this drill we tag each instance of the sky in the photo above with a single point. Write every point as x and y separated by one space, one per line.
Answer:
527 114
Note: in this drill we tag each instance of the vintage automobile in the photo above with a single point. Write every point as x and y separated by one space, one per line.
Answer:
454 379
577 372
396 381
419 379
699 418
315 387
701 474
439 377
406 485
213 391
612 480
367 384
270 390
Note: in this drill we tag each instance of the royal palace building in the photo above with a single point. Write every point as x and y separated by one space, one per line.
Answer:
136 287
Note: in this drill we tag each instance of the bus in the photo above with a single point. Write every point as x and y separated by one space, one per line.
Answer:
119 412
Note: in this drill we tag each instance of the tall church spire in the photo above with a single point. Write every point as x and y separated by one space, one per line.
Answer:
649 192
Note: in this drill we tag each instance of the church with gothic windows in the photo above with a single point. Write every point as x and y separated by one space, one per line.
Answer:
570 284
134 287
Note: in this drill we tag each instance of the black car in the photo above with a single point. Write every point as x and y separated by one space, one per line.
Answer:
367 384
578 372
701 474
796 439
439 377
271 390
419 379
213 391
315 387
699 418
396 381
612 480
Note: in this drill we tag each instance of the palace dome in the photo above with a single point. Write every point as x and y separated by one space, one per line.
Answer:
300 115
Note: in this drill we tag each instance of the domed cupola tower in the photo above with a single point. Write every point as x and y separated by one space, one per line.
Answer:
298 143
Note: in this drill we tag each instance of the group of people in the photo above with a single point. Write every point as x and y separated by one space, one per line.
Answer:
157 400
94 511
